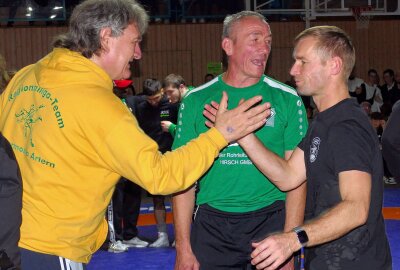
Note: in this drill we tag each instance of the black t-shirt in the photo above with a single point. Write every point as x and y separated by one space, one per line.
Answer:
150 118
339 139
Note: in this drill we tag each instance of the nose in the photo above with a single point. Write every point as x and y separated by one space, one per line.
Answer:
294 70
265 48
137 54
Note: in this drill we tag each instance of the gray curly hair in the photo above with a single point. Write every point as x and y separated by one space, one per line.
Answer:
91 16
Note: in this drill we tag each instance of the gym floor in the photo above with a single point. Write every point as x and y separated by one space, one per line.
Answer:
163 258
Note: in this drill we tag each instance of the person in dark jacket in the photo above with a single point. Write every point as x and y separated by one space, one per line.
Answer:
10 207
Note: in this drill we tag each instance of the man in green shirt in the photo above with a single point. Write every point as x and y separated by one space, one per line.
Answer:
175 89
237 204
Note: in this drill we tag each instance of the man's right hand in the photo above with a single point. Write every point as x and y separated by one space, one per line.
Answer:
165 125
185 260
242 120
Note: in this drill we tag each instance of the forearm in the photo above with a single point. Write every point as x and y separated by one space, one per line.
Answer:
335 223
129 152
295 206
270 164
183 206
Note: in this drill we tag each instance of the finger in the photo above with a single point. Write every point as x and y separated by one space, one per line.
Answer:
247 104
260 258
211 109
267 261
262 109
209 116
256 122
209 124
215 104
223 104
261 247
241 101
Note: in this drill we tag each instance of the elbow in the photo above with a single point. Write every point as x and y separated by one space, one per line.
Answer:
362 216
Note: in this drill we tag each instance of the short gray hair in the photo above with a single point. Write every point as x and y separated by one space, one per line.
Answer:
91 16
230 20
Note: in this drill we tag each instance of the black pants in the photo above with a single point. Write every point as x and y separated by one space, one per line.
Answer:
222 240
126 209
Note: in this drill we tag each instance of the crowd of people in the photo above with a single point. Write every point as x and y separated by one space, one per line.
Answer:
377 100
253 182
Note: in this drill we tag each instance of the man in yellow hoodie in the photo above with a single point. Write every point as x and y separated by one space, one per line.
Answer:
73 138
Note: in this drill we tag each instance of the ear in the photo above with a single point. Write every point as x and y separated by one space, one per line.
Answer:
336 65
227 46
105 38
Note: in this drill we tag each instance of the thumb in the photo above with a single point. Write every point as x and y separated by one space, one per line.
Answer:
223 104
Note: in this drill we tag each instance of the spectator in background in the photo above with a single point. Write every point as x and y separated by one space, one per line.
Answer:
354 83
391 143
208 77
378 123
4 77
10 207
372 91
366 106
390 91
153 108
355 87
175 88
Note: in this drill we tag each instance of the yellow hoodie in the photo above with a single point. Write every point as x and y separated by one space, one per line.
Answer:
73 139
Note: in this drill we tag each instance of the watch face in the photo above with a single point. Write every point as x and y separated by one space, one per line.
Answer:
302 236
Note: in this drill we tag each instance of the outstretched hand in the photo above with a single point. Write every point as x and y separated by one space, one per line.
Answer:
240 121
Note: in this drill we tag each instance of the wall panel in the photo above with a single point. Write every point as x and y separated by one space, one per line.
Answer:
186 49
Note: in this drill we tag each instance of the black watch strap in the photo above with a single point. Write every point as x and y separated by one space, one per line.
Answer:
301 235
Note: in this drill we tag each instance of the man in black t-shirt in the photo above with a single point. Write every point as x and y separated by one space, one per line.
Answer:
341 160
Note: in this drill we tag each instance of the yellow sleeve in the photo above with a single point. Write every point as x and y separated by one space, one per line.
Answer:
134 155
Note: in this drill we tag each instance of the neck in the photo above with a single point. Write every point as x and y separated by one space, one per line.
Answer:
331 97
237 80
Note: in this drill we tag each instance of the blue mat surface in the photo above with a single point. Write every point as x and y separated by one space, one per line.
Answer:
164 258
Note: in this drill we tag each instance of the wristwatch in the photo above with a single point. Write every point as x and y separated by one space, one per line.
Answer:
301 235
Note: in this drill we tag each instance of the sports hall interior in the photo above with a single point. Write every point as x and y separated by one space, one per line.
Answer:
186 39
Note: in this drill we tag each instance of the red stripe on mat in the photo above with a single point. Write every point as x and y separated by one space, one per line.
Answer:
148 219
391 213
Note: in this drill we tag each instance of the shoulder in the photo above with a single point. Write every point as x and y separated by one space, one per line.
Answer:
280 87
203 89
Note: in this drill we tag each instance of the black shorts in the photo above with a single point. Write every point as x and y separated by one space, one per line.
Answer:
39 261
222 240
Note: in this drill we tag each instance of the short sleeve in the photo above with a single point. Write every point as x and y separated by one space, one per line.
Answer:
297 123
352 147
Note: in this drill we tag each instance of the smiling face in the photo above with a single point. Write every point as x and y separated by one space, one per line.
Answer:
248 48
309 71
119 52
